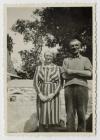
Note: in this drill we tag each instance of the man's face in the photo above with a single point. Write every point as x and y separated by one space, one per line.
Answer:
75 46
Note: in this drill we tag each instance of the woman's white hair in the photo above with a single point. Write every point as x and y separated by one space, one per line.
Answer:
49 53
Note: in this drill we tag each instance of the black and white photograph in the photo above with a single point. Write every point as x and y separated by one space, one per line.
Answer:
51 66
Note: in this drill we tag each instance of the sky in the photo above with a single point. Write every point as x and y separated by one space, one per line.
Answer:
14 13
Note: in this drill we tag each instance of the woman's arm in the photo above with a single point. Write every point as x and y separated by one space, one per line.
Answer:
36 83
52 95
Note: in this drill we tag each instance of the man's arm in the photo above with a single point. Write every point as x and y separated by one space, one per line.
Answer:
83 73
86 72
63 69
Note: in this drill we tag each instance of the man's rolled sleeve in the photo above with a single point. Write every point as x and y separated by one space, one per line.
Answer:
87 65
64 68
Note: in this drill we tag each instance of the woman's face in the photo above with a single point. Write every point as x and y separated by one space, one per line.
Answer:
48 58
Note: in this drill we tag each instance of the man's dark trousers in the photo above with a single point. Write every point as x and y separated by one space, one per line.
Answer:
76 100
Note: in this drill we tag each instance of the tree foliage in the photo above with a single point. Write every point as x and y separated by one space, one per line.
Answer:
67 23
9 43
57 25
28 63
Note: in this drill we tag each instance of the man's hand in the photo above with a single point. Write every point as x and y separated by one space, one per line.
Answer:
69 71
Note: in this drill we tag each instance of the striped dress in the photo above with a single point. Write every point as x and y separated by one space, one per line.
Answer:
47 81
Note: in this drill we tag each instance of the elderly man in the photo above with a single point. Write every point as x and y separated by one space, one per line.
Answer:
76 70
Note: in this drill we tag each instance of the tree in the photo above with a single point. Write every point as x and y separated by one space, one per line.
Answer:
9 43
67 23
57 25
28 63
10 67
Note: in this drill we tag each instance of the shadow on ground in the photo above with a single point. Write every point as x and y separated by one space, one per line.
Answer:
31 125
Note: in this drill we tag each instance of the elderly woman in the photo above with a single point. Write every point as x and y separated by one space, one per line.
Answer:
47 85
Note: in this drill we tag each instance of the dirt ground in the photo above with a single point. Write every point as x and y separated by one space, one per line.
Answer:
21 110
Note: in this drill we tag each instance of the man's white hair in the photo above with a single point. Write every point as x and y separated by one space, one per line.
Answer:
73 40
